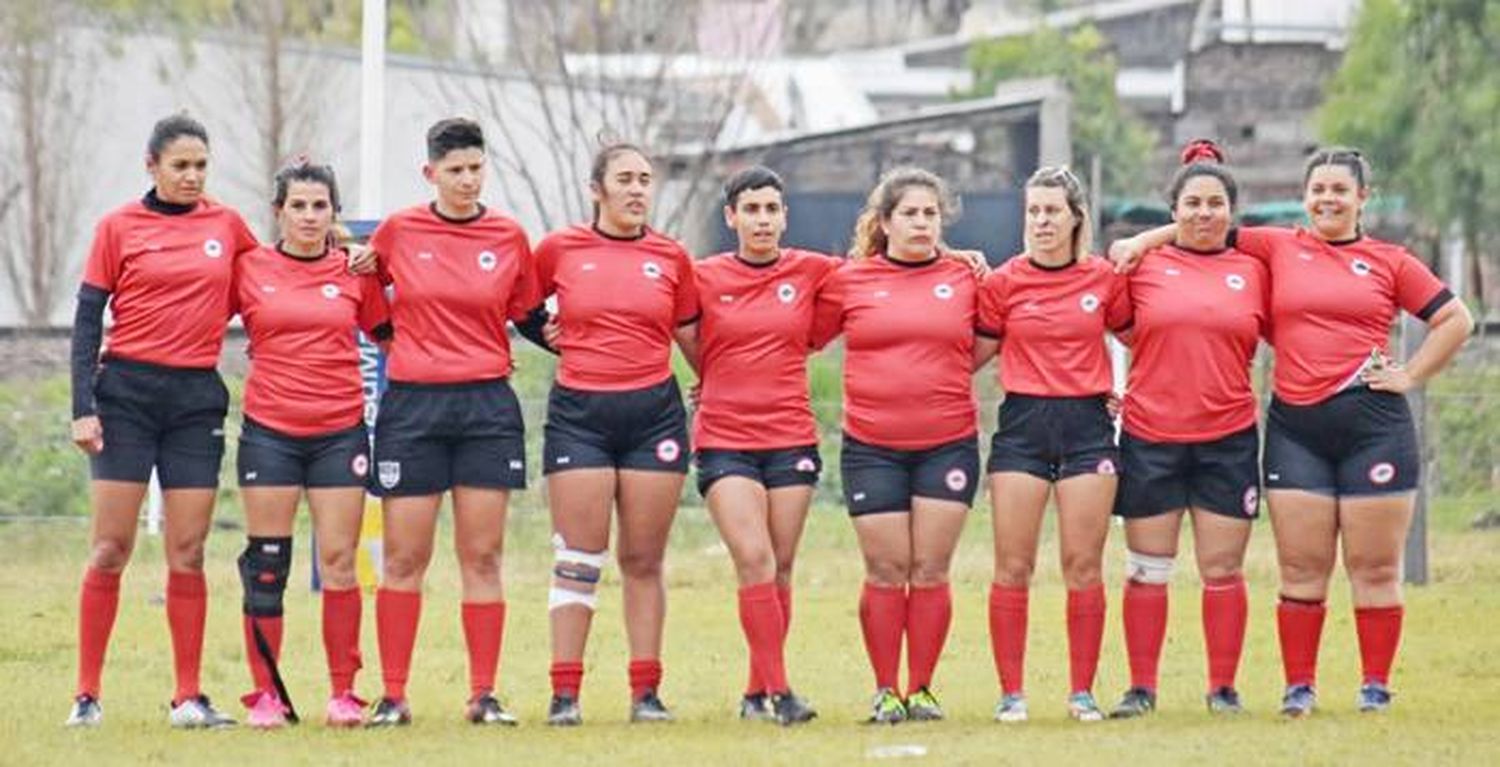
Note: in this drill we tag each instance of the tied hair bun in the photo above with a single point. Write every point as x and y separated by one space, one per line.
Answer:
1202 150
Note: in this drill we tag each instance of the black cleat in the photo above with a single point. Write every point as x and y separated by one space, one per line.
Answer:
790 709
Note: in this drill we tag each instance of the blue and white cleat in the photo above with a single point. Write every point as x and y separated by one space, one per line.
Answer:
197 714
86 712
1011 709
1374 698
1299 701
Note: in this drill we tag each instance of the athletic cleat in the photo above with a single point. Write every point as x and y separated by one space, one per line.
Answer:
887 707
485 709
389 713
1299 701
86 712
197 714
1225 700
1083 707
267 712
649 708
1374 698
1137 701
345 710
1011 709
756 707
922 706
564 711
791 709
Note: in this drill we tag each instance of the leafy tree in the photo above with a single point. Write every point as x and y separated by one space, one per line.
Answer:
1081 58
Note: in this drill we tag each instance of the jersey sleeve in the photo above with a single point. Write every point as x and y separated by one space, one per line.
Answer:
383 242
1260 241
102 270
1119 312
373 309
244 239
990 315
828 311
546 255
685 300
1418 290
525 295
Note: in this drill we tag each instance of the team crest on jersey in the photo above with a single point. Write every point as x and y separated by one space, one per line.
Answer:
786 293
213 248
956 479
1089 303
389 473
1106 466
667 450
1235 282
330 290
360 466
487 260
652 270
806 465
1360 267
1251 500
943 290
1382 473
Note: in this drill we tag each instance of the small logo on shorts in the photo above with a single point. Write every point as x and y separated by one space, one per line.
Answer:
389 473
943 290
360 465
251 475
1235 282
1251 500
487 260
956 479
652 270
564 460
1106 466
786 293
1382 473
1360 267
517 464
1089 303
807 465
330 290
857 497
667 450
213 248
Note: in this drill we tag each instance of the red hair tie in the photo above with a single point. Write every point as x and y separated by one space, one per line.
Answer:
1202 150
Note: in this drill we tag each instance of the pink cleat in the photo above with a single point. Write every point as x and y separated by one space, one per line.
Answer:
267 712
345 710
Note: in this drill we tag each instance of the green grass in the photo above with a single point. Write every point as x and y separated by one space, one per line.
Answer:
1448 675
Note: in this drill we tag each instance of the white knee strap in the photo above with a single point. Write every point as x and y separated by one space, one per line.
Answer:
1145 568
567 562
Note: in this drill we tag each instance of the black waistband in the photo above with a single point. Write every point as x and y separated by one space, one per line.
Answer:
483 383
152 367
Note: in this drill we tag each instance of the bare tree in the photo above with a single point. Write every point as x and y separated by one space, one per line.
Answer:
40 62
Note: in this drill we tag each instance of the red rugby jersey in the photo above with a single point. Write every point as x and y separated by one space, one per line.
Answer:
169 279
456 283
301 317
618 303
1198 318
908 349
753 343
1051 322
1331 304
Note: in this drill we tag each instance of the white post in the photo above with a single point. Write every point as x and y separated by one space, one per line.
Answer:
371 108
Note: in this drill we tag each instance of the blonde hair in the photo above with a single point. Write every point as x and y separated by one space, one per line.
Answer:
1059 177
869 238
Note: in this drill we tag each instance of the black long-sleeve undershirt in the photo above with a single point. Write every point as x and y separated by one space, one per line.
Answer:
531 327
88 336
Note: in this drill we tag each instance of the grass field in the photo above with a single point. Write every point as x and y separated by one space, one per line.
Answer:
1448 674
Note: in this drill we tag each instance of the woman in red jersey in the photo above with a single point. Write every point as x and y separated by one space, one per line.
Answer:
153 400
910 459
449 421
616 434
304 431
1341 457
1050 309
1189 445
755 437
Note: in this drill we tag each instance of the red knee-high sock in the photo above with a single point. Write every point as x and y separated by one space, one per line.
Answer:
270 628
1379 630
567 678
1299 625
1085 635
342 612
882 617
1009 611
98 602
756 682
484 629
645 676
1226 608
1145 617
764 627
929 613
397 614
187 611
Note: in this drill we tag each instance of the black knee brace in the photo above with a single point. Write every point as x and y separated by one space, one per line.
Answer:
265 566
